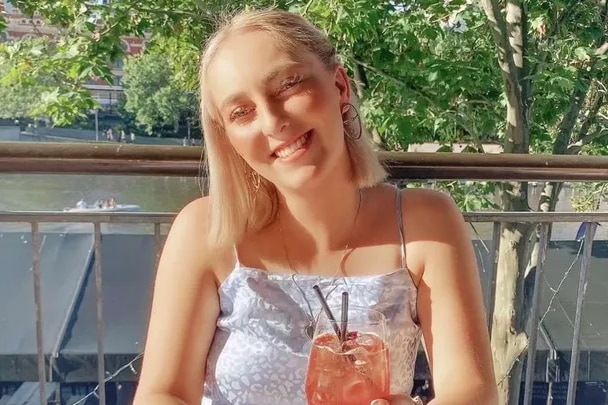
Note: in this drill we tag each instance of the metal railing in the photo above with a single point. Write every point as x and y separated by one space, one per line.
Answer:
162 161
34 219
25 157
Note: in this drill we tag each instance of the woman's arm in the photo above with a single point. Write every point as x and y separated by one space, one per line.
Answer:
184 312
450 304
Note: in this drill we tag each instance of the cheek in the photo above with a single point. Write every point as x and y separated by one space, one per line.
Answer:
248 143
320 107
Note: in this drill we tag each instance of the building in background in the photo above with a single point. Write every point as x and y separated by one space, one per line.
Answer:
20 27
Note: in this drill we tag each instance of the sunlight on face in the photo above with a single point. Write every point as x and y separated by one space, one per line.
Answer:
280 112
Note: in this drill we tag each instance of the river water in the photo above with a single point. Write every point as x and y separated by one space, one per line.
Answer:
34 192
54 192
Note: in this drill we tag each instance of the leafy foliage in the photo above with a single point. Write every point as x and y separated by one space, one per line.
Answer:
38 80
19 100
425 70
423 81
159 89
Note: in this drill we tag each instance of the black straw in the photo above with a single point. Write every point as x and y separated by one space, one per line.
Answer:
344 316
330 316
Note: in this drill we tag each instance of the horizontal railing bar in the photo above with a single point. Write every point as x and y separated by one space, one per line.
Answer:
100 166
409 171
116 151
78 158
502 173
48 150
167 217
77 217
536 217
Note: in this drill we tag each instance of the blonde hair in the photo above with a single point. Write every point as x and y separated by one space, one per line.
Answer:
238 204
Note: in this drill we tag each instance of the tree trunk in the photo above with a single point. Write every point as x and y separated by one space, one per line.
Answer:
509 339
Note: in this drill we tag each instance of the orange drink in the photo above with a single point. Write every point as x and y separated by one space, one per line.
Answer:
353 371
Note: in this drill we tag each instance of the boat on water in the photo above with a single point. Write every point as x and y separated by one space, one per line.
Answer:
117 208
103 206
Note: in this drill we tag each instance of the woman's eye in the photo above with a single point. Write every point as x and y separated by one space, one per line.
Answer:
238 113
291 82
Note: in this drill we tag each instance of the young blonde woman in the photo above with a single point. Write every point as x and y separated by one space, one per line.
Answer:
296 199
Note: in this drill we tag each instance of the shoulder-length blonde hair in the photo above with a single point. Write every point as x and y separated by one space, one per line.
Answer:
238 204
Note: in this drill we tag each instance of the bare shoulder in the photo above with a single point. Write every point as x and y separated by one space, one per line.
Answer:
190 229
429 207
432 221
193 219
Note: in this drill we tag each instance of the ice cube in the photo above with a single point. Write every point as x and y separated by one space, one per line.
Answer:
357 352
334 346
366 340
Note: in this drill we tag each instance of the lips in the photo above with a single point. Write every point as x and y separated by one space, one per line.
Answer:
292 147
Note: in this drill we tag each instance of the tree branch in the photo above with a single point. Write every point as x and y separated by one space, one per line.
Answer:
602 49
524 78
159 11
463 123
568 122
594 110
581 90
307 7
508 38
501 35
538 66
575 148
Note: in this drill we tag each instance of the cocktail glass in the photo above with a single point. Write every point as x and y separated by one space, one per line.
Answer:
353 370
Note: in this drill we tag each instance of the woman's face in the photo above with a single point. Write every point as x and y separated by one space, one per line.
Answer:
282 113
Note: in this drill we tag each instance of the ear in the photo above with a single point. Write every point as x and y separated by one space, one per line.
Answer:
342 84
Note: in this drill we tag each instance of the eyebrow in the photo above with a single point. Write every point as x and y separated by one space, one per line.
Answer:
279 69
266 80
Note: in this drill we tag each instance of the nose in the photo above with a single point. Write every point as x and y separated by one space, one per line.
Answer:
274 120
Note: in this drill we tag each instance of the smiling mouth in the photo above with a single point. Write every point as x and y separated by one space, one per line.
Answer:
293 147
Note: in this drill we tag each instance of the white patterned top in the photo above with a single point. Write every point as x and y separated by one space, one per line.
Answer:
259 353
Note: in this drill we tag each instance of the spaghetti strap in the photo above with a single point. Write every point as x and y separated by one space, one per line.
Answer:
400 224
237 262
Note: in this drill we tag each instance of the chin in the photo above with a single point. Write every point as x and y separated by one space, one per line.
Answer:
305 181
320 172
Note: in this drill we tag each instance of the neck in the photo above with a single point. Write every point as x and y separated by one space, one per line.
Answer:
321 220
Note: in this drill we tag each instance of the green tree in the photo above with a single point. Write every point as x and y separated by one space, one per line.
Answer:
33 94
19 101
158 87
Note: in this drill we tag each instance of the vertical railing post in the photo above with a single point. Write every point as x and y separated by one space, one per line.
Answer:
100 324
491 297
38 306
543 242
580 302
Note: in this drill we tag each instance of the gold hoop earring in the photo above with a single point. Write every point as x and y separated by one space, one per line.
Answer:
351 120
255 181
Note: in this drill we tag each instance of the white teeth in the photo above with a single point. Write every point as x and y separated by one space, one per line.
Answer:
292 148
